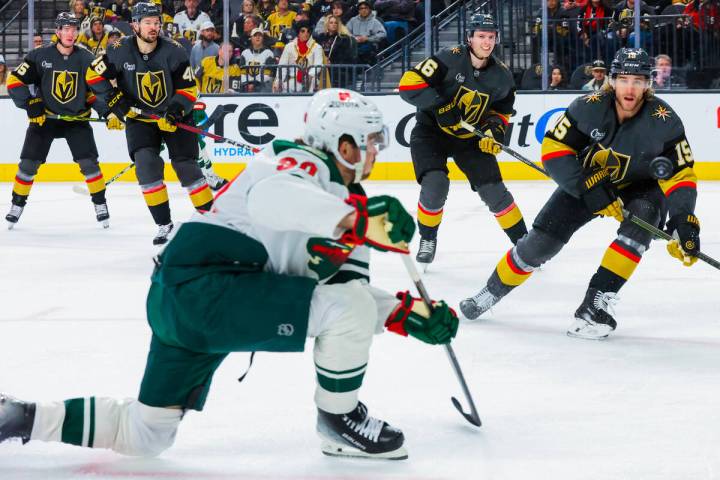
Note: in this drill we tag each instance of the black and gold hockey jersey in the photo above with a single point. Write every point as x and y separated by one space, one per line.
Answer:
589 137
151 81
96 46
59 80
448 80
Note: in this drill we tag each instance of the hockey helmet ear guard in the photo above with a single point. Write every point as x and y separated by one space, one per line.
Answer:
335 112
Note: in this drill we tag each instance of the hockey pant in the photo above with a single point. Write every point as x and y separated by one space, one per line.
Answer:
343 319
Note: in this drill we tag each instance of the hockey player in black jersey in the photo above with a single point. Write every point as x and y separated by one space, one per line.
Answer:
600 153
57 72
153 74
461 83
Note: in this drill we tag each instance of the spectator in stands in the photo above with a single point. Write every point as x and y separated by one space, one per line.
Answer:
96 39
3 76
192 17
77 7
340 49
593 31
320 9
340 10
705 14
599 80
248 8
665 77
558 33
256 62
212 69
38 41
368 32
290 33
558 79
573 7
119 8
205 46
623 23
266 8
214 9
282 18
242 41
296 72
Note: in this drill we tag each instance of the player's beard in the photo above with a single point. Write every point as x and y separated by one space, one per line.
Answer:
148 39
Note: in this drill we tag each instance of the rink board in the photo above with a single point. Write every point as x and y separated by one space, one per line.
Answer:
258 120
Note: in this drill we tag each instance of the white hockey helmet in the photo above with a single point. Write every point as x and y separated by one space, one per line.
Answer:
335 112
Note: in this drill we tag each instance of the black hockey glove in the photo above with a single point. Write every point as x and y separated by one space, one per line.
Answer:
36 111
495 127
120 105
173 114
448 117
599 195
686 230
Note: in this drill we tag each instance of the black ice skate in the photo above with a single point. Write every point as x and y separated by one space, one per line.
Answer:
426 252
475 306
13 215
16 418
357 434
162 235
593 319
101 214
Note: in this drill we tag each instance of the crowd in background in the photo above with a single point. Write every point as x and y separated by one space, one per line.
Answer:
583 36
275 45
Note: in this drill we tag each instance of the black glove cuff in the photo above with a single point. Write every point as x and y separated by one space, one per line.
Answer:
683 220
598 198
496 127
175 112
35 107
119 104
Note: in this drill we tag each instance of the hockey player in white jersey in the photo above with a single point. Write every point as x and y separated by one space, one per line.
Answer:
282 256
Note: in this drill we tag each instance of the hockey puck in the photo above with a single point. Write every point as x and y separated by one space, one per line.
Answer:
661 168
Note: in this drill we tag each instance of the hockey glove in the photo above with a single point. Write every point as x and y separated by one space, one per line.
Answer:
686 231
173 114
412 317
327 256
120 105
448 116
36 111
382 223
494 131
599 196
114 123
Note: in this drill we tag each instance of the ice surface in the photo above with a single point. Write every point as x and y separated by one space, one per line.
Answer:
641 405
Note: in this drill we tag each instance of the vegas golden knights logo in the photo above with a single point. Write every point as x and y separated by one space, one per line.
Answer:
616 164
212 85
65 85
471 104
151 87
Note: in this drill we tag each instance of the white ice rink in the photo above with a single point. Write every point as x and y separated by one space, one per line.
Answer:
642 405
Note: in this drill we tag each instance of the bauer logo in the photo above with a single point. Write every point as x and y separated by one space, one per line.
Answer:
151 87
64 85
285 329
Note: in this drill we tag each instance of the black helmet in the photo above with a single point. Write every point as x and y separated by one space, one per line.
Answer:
631 61
482 22
145 9
66 18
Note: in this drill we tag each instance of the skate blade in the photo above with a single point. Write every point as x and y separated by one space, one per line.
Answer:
11 225
105 223
593 334
333 449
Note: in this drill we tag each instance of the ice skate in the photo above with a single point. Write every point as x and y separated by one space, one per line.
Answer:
215 181
13 215
101 214
593 319
357 434
426 252
162 235
475 306
16 418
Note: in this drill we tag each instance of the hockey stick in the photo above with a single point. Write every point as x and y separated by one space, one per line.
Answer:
71 118
82 190
473 416
505 149
204 133
665 236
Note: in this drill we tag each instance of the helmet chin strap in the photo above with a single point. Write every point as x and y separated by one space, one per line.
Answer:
358 168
